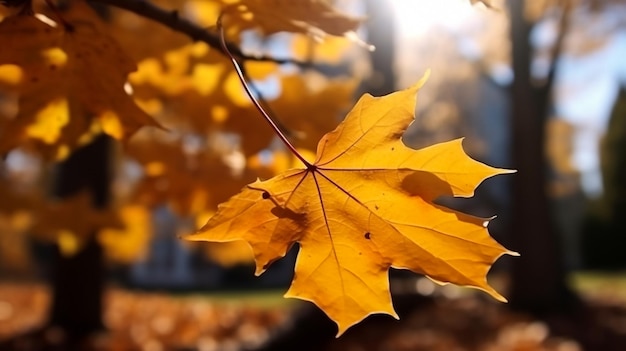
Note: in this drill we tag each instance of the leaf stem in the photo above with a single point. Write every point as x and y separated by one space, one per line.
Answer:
266 105
254 100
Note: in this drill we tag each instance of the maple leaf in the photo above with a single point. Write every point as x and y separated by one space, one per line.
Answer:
73 84
366 204
314 17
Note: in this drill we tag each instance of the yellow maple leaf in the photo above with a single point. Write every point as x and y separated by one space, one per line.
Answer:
73 81
365 205
313 17
229 254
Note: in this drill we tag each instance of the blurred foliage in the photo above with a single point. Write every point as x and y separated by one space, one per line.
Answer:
79 72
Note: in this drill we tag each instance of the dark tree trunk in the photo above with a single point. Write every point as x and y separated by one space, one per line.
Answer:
78 280
538 276
381 34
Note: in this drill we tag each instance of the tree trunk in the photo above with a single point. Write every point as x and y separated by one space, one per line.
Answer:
78 280
538 276
381 34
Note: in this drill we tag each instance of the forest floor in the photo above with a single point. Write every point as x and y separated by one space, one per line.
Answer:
447 319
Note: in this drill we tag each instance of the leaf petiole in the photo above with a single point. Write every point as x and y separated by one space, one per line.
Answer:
254 100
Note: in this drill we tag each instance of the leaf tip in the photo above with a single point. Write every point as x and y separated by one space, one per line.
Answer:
260 270
420 83
500 298
513 253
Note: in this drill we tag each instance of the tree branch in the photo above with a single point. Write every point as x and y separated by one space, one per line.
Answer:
175 22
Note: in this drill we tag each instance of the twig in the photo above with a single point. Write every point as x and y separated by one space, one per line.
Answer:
255 101
174 21
268 109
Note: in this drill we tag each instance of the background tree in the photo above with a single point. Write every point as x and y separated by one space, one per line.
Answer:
538 278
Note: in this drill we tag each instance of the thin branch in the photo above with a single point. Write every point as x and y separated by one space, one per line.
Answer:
255 101
175 22
268 108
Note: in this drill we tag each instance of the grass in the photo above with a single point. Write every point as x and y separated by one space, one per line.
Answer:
597 284
257 298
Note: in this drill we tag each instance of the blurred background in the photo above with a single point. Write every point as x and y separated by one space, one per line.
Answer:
538 86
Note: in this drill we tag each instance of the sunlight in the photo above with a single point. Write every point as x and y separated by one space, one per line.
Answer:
416 17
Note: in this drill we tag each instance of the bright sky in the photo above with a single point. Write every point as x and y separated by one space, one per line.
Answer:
586 91
416 17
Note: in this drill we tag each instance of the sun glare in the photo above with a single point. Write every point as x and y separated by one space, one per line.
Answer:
417 17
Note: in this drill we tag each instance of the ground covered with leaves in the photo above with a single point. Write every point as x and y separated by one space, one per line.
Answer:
445 320
146 321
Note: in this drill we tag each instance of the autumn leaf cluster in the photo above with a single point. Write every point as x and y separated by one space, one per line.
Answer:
69 74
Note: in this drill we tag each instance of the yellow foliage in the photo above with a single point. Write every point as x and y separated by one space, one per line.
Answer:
49 121
314 17
10 75
229 254
68 242
189 181
365 205
14 248
312 105
141 37
75 70
130 243
206 12
70 222
330 50
279 161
